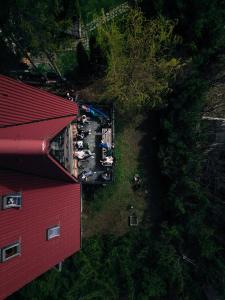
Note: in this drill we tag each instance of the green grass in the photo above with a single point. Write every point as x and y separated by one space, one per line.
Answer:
107 210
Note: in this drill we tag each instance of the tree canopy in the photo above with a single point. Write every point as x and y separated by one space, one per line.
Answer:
36 27
199 22
141 62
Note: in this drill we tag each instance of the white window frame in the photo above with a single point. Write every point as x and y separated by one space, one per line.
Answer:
53 232
18 204
3 251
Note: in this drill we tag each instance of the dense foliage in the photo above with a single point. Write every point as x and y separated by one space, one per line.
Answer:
140 60
200 22
186 206
34 28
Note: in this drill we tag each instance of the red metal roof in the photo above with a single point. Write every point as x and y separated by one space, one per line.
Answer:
37 130
26 148
46 203
21 103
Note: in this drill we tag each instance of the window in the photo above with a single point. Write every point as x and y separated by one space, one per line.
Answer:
58 146
10 251
12 201
53 232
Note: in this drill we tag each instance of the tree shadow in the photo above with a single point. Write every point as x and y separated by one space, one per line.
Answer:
149 166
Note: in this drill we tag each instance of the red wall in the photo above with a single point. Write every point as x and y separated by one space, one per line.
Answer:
45 203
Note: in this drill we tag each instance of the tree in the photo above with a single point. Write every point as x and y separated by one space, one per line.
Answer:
200 22
140 60
8 59
36 27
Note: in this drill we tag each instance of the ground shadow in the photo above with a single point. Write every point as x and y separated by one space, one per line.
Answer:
150 168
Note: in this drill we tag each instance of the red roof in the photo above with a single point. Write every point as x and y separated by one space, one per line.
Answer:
26 148
36 130
20 103
46 203
29 119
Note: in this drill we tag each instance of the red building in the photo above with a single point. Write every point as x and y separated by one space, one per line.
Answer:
39 196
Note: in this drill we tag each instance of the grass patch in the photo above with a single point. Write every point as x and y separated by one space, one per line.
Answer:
107 210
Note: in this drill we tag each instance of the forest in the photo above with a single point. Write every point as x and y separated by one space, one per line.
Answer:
154 64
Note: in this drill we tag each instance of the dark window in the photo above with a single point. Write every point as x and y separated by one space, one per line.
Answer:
12 201
10 251
58 146
53 232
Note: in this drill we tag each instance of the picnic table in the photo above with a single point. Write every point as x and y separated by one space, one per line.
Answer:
106 139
